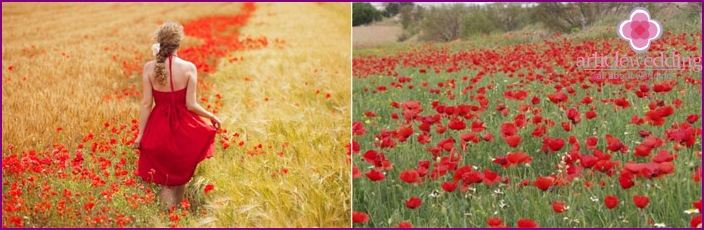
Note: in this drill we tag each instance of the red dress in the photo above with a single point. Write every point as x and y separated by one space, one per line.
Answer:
175 140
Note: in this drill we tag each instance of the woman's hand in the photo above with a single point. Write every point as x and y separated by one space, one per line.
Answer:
137 142
216 122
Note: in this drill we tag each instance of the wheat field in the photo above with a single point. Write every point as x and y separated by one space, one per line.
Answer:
70 99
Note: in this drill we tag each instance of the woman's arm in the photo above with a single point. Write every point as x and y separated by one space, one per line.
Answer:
147 101
191 102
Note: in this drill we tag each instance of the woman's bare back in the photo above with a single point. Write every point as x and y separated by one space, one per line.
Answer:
182 71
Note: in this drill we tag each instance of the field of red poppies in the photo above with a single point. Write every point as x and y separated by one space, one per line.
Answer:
71 92
519 135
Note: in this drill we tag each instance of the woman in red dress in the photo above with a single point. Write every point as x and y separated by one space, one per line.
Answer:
172 138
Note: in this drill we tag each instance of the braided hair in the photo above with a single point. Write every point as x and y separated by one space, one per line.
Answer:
169 36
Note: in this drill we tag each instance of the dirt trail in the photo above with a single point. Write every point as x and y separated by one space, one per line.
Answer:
375 35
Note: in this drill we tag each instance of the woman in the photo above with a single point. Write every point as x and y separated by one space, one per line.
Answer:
172 137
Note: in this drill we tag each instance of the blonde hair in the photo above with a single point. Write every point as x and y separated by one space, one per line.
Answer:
169 36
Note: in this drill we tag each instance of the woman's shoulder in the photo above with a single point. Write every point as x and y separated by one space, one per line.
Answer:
187 64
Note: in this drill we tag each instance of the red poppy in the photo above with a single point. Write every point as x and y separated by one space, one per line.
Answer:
356 173
513 141
663 156
457 124
640 201
374 175
590 115
526 223
566 126
696 221
553 144
359 217
409 176
539 131
369 113
448 186
625 181
518 157
611 201
557 97
574 115
692 118
488 137
558 207
544 183
478 126
405 224
403 133
413 202
698 205
615 145
358 128
208 188
494 221
508 129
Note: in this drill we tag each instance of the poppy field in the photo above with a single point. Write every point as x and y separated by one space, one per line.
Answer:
71 89
507 131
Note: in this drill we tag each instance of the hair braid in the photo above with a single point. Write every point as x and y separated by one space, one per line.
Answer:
169 36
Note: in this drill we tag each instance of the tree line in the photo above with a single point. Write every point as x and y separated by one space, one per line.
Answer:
448 22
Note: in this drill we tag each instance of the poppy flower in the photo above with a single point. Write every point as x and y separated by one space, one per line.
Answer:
405 224
698 205
526 223
359 217
696 222
611 201
488 137
513 141
518 157
494 221
508 129
478 126
557 97
358 128
558 207
554 144
456 124
413 202
403 133
356 173
544 183
692 118
374 175
409 176
208 188
663 156
566 126
640 201
625 181
574 115
448 186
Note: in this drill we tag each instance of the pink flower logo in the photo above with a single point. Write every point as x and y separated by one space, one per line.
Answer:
639 30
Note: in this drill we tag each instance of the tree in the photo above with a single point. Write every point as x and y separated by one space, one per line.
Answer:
364 13
443 23
567 17
391 9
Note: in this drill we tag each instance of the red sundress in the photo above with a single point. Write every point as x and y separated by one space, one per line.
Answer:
175 140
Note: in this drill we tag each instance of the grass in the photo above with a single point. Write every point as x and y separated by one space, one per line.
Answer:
295 95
